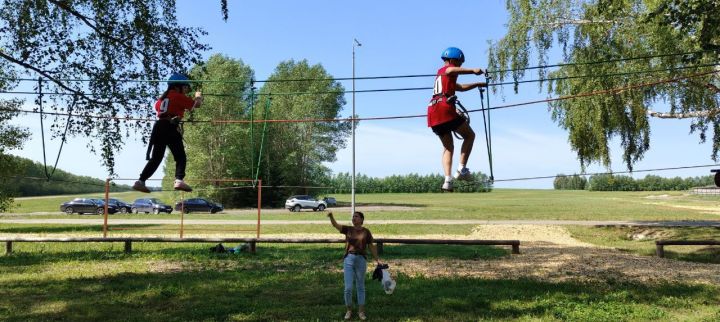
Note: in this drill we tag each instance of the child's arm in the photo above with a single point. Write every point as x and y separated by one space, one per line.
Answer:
198 100
467 87
463 71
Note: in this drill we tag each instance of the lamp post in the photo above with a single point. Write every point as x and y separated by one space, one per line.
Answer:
356 43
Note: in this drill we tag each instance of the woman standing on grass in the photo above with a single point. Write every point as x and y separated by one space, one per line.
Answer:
357 239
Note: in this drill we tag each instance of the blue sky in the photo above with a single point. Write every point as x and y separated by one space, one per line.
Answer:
398 38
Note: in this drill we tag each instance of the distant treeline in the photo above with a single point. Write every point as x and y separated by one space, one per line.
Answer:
30 180
608 182
410 183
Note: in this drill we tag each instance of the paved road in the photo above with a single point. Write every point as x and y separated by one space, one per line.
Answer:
114 221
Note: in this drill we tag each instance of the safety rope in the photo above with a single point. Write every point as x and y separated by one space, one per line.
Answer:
42 131
560 98
262 139
488 133
615 60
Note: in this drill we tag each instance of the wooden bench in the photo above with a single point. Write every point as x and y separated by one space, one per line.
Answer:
660 244
251 241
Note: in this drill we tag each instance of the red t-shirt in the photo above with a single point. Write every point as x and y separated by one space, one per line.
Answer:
439 110
174 104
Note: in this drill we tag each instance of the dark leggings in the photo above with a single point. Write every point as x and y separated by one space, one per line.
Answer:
165 134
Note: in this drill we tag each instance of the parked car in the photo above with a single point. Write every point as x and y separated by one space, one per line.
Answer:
330 201
122 206
86 205
148 205
295 203
198 204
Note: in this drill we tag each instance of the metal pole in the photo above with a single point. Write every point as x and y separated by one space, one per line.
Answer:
107 197
259 206
352 208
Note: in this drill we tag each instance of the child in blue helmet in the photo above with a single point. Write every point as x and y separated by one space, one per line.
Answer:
443 117
170 108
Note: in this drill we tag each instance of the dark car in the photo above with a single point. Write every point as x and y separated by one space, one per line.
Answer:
148 205
198 204
330 201
122 206
86 205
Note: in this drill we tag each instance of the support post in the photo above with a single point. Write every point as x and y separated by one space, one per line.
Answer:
660 250
380 248
259 206
107 197
252 247
128 246
8 247
182 213
516 248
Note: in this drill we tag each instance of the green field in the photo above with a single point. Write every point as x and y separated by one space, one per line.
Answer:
500 204
181 282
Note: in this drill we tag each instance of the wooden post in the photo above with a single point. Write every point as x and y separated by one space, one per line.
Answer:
252 247
182 213
660 250
128 246
8 247
259 206
380 248
107 197
516 248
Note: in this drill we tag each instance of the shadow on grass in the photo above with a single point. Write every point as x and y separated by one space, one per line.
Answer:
292 293
709 255
58 229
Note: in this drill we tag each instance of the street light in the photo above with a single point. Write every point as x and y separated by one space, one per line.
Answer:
356 43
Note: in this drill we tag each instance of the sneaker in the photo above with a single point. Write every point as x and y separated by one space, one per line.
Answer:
362 316
463 174
348 315
140 186
447 186
181 185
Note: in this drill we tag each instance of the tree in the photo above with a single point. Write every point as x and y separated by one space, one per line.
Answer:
110 43
588 32
11 137
294 152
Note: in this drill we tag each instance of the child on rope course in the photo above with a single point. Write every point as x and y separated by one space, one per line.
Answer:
166 132
443 117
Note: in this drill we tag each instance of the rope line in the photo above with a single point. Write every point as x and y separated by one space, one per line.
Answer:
417 88
380 77
378 118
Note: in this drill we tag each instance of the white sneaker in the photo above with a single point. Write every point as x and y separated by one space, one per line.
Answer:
140 186
181 185
463 174
447 186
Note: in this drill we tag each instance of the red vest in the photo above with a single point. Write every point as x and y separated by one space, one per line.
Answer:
174 104
439 111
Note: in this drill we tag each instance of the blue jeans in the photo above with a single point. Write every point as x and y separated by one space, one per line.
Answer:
355 267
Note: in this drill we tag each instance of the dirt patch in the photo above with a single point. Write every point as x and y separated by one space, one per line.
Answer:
549 253
641 233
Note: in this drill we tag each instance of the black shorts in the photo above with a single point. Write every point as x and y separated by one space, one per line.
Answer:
447 127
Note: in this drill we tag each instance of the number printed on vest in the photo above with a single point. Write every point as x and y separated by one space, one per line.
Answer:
437 89
164 105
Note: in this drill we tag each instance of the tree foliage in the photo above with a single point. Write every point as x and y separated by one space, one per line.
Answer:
565 182
586 32
288 154
110 43
609 182
11 137
410 183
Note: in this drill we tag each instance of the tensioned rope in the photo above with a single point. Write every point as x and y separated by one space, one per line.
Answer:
422 88
608 91
475 182
394 76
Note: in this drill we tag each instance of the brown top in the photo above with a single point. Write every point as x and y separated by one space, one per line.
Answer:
356 240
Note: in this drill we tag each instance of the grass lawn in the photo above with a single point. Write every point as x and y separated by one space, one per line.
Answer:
501 204
179 282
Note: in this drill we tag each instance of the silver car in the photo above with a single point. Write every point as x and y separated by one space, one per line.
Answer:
298 202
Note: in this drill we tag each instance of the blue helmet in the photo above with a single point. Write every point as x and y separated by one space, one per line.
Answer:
179 79
453 53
